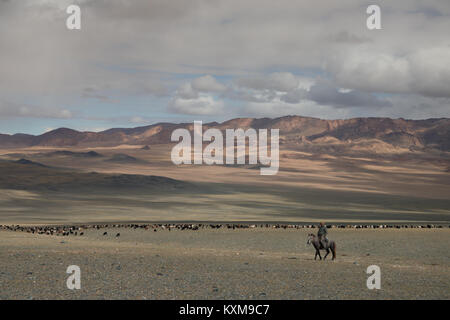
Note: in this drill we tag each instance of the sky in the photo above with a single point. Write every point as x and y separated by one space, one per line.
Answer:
136 62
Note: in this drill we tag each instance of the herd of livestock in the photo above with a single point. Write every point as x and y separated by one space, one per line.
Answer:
78 230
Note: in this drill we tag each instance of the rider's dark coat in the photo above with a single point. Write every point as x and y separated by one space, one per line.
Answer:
322 231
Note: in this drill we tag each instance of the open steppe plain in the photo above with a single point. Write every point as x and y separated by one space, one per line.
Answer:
261 263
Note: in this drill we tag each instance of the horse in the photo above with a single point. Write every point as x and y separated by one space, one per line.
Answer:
331 245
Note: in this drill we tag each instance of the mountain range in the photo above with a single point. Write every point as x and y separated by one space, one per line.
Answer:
294 130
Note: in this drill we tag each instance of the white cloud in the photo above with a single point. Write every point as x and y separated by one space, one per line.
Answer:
193 97
203 105
426 71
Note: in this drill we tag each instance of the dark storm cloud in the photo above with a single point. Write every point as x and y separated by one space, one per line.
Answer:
326 94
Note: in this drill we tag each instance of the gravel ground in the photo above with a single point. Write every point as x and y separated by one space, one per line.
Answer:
225 264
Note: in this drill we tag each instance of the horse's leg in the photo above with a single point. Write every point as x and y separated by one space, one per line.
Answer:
315 256
328 251
318 252
333 250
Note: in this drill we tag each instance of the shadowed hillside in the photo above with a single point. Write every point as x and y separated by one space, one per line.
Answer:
29 175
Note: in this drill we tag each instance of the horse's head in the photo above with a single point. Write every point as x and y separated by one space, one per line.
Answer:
310 238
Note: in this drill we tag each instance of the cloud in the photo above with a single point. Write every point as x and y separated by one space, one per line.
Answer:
203 105
269 87
425 72
430 71
207 84
279 81
325 93
295 96
347 37
287 88
13 110
194 98
131 48
185 91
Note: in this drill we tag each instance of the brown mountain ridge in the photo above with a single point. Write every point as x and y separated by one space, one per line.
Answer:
412 134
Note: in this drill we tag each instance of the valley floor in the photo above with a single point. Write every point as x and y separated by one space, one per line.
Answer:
262 263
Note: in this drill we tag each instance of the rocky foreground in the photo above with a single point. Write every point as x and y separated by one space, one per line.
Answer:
253 262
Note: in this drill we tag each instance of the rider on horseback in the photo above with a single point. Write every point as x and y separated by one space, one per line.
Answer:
322 234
